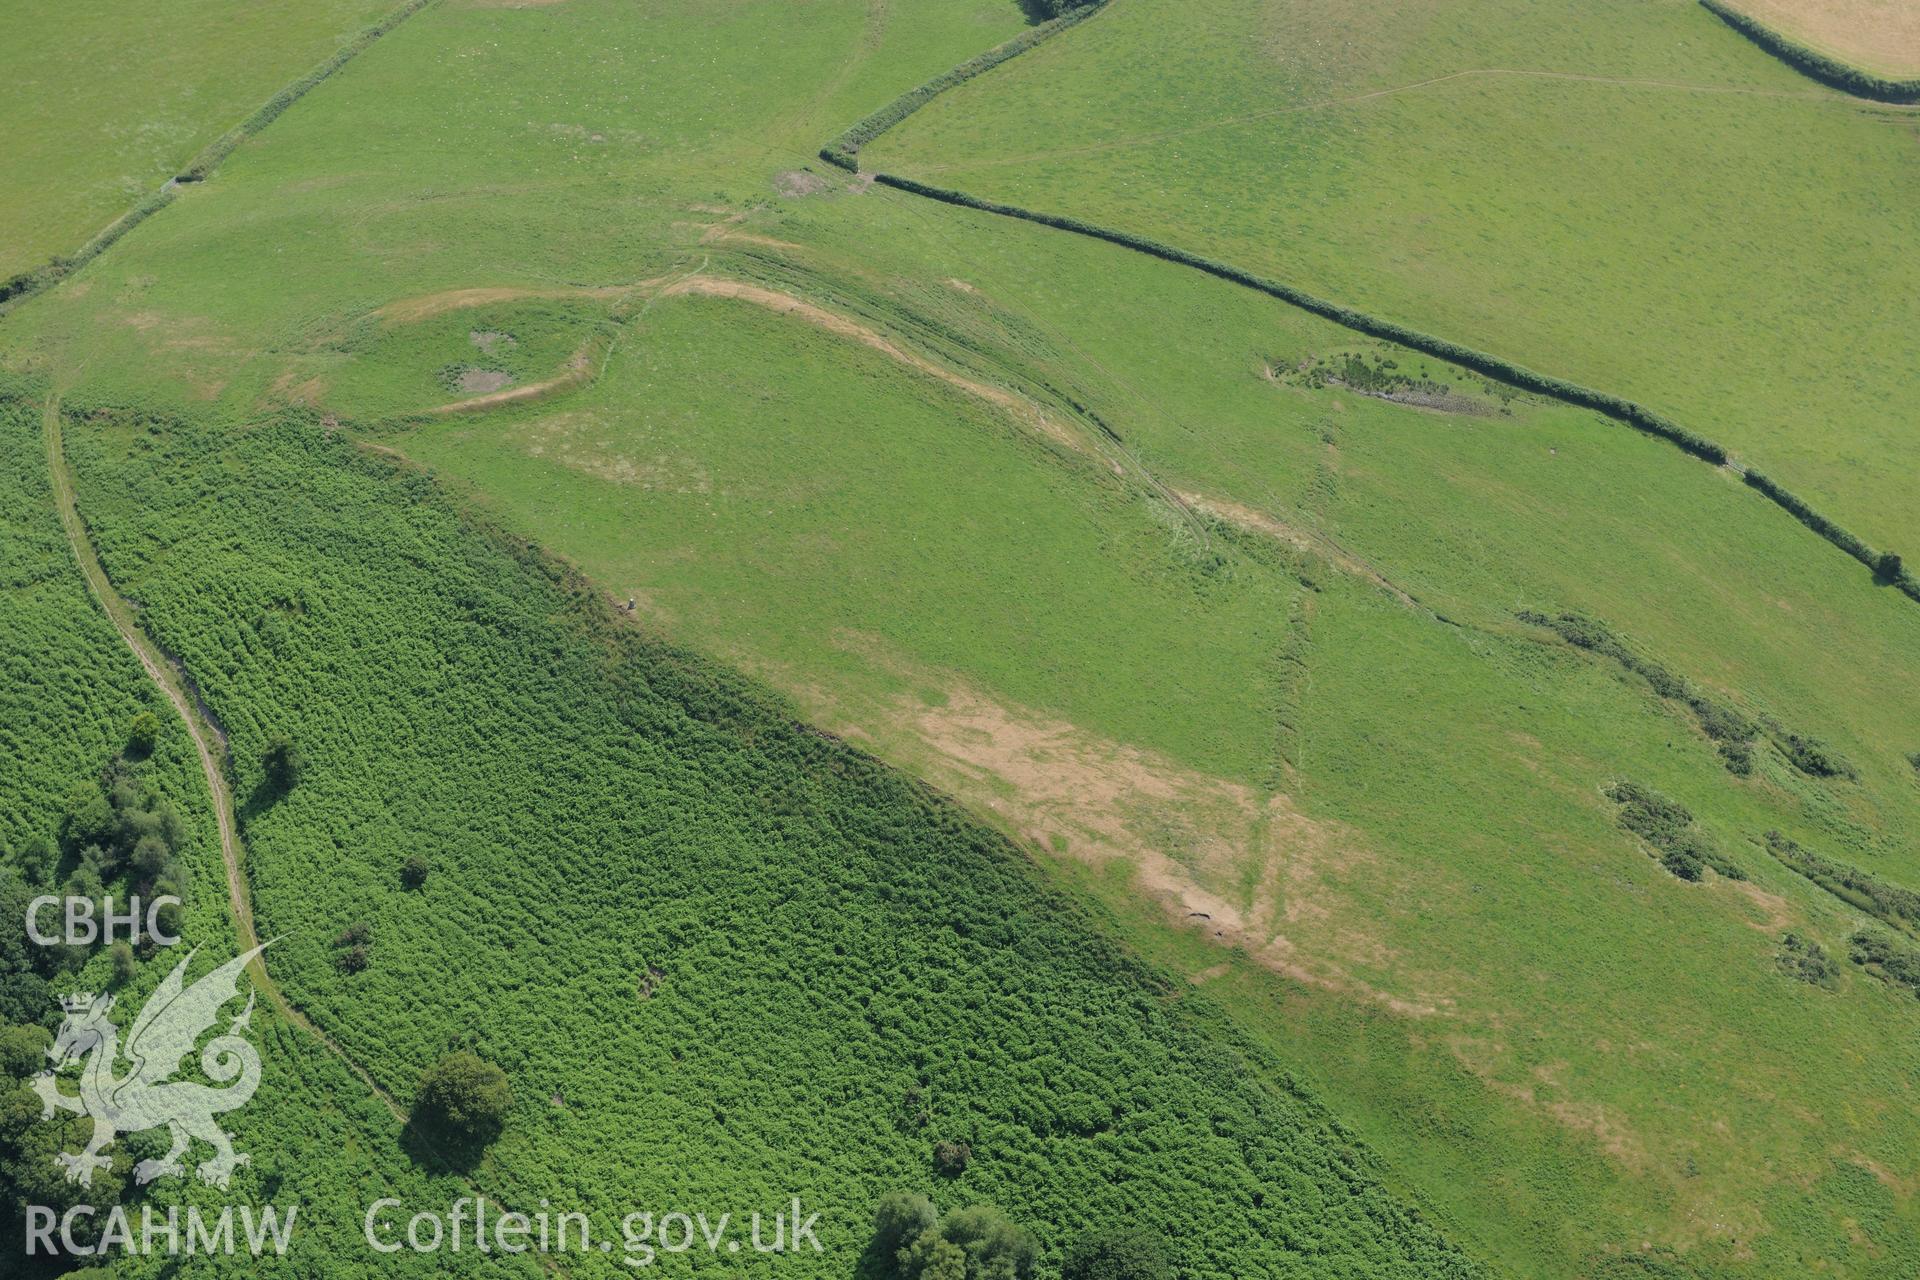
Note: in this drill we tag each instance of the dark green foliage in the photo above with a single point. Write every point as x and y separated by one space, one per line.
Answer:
829 936
1860 889
1804 960
23 1051
465 1098
1887 959
283 763
413 872
900 1218
1119 1253
950 1159
976 1243
1668 827
143 734
1815 759
1822 67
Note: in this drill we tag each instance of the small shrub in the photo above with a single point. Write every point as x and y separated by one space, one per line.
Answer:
950 1159
143 735
1804 960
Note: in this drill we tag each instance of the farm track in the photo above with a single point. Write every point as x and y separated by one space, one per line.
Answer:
208 744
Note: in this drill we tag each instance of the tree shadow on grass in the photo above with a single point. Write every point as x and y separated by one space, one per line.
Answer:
432 1147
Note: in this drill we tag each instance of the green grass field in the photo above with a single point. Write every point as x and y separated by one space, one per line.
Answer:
1279 900
104 106
1484 173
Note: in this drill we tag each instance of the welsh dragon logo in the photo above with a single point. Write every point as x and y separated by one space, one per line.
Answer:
146 1097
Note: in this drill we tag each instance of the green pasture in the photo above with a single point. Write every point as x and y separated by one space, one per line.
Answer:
104 104
1635 198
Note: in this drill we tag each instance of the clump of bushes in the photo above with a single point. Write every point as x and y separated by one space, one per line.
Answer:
1887 959
1804 960
1118 1253
1733 732
464 1098
914 1242
1815 759
413 872
1888 903
1668 827
950 1159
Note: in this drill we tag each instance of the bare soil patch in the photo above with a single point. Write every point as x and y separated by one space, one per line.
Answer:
795 183
476 382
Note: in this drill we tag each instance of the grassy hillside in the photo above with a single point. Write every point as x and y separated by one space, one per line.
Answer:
104 104
71 692
723 959
1639 199
1304 666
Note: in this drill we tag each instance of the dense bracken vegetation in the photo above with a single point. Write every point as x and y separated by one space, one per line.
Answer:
697 937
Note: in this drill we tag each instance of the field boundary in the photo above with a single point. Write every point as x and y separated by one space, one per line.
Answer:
844 151
1827 69
28 283
1887 567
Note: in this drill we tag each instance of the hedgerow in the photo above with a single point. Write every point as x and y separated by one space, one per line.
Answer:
1822 67
719 956
844 150
1732 731
1889 903
203 164
1668 827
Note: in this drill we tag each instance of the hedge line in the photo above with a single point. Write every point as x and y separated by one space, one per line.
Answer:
844 150
31 282
1886 565
1479 361
1828 70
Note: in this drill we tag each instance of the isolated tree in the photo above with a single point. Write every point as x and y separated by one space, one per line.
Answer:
1888 567
464 1097
144 733
283 763
997 1248
899 1219
413 873
1118 1253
